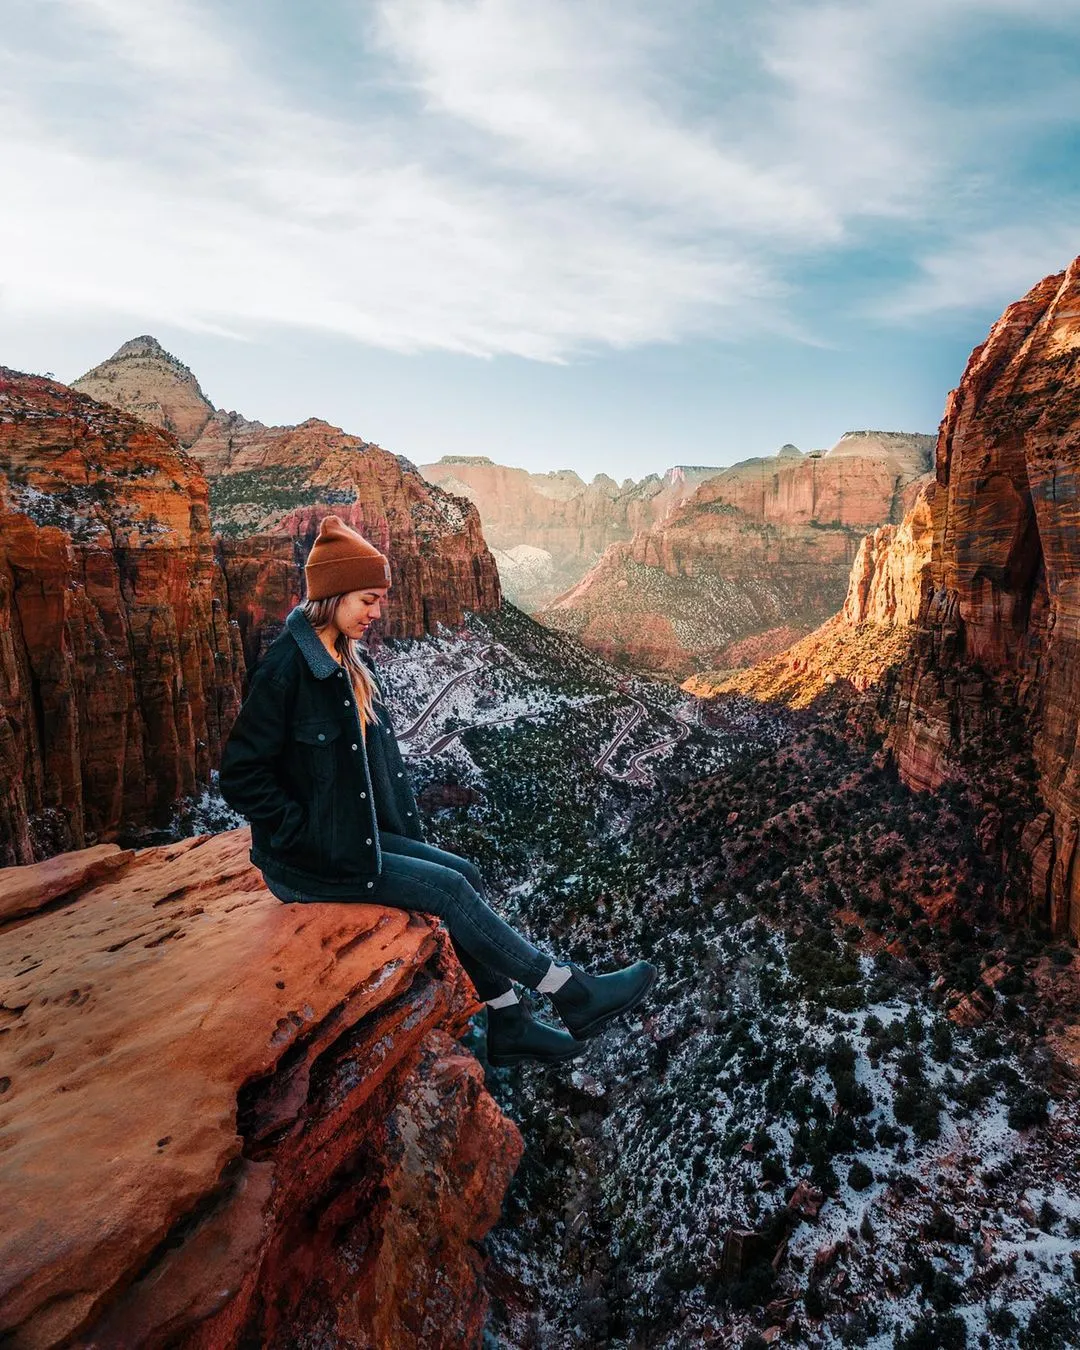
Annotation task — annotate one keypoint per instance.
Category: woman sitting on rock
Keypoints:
(313, 763)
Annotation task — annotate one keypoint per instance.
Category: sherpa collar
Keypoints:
(320, 662)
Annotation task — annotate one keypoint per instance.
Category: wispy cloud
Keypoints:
(520, 178)
(980, 270)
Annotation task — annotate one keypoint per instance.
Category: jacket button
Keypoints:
(322, 736)
(346, 703)
(363, 794)
(354, 745)
(408, 813)
(367, 841)
(370, 884)
(399, 773)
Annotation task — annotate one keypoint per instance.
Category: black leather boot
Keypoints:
(589, 1003)
(513, 1034)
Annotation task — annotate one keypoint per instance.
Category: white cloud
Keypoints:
(985, 270)
(545, 179)
(562, 90)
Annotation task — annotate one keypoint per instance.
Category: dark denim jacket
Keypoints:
(297, 767)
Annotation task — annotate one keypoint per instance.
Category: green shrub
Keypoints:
(859, 1176)
(1054, 1325)
(1028, 1107)
(934, 1332)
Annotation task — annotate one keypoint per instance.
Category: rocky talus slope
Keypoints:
(120, 671)
(847, 1112)
(1000, 629)
(867, 637)
(547, 529)
(232, 1122)
(756, 551)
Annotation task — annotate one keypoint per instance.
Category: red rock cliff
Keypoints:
(762, 550)
(859, 483)
(232, 1122)
(870, 634)
(1001, 625)
(570, 522)
(120, 670)
(269, 486)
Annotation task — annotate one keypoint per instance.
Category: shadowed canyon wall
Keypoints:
(1000, 627)
(139, 580)
(120, 671)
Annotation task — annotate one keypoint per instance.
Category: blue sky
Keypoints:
(596, 234)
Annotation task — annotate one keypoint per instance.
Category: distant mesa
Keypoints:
(901, 444)
(753, 555)
(558, 515)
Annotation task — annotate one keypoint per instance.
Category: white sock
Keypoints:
(503, 1000)
(555, 978)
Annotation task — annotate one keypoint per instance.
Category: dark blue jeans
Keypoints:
(422, 877)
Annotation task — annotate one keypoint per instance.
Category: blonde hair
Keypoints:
(318, 614)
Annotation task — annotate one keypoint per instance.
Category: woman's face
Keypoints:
(357, 609)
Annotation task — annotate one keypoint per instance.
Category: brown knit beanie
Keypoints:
(342, 560)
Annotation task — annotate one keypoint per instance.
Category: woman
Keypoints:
(313, 763)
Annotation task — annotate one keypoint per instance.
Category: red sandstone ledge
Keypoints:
(223, 1118)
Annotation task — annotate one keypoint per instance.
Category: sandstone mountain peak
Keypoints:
(789, 451)
(466, 459)
(142, 378)
(146, 345)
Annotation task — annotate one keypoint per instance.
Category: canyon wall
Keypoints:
(1000, 628)
(760, 551)
(858, 483)
(120, 671)
(547, 529)
(269, 487)
(232, 1122)
(137, 589)
(887, 585)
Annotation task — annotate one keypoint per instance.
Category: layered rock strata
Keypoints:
(1000, 628)
(547, 529)
(229, 1121)
(142, 378)
(120, 668)
(867, 637)
(757, 550)
(270, 486)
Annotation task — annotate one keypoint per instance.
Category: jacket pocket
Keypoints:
(316, 746)
(318, 737)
